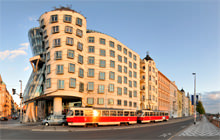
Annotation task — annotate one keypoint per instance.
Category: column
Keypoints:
(57, 106)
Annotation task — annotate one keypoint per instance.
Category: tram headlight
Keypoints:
(95, 113)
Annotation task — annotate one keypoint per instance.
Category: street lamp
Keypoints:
(21, 101)
(194, 100)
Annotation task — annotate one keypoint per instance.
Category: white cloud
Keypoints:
(211, 101)
(25, 46)
(33, 18)
(26, 68)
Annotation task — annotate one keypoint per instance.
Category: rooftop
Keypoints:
(94, 31)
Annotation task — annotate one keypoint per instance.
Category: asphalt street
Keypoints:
(163, 131)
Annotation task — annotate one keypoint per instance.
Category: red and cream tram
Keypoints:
(92, 116)
(144, 116)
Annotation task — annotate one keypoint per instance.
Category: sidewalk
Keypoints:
(202, 130)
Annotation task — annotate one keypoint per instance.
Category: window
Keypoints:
(111, 75)
(67, 18)
(72, 83)
(119, 47)
(55, 29)
(91, 49)
(79, 33)
(130, 73)
(130, 83)
(60, 84)
(68, 29)
(118, 102)
(47, 44)
(90, 101)
(111, 44)
(58, 55)
(81, 87)
(112, 53)
(81, 72)
(130, 54)
(91, 39)
(101, 88)
(125, 103)
(56, 42)
(150, 78)
(102, 52)
(70, 53)
(125, 60)
(135, 74)
(101, 75)
(90, 86)
(91, 72)
(125, 90)
(130, 104)
(130, 64)
(42, 23)
(125, 80)
(135, 84)
(45, 34)
(54, 18)
(110, 101)
(135, 65)
(71, 67)
(130, 94)
(102, 63)
(119, 58)
(112, 63)
(59, 69)
(79, 21)
(125, 51)
(119, 91)
(48, 56)
(102, 41)
(135, 93)
(48, 83)
(69, 41)
(91, 60)
(111, 88)
(48, 69)
(125, 69)
(135, 104)
(80, 59)
(119, 79)
(119, 68)
(134, 57)
(100, 101)
(79, 46)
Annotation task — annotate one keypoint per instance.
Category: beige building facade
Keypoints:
(173, 100)
(180, 103)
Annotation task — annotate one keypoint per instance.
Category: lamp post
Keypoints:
(194, 100)
(21, 101)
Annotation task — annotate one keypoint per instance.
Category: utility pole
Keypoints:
(194, 97)
(21, 101)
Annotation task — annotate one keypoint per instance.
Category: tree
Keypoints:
(200, 108)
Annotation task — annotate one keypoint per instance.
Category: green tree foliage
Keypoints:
(200, 108)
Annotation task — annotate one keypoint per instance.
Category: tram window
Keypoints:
(139, 113)
(70, 113)
(78, 113)
(120, 113)
(151, 113)
(112, 113)
(126, 113)
(131, 113)
(163, 114)
(88, 113)
(166, 114)
(146, 114)
(105, 113)
(156, 114)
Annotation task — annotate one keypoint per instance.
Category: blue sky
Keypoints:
(182, 37)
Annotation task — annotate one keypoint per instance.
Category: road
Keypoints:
(163, 131)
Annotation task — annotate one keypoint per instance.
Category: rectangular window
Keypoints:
(48, 56)
(58, 55)
(112, 64)
(45, 34)
(112, 53)
(119, 91)
(55, 29)
(80, 59)
(72, 83)
(119, 58)
(111, 44)
(118, 102)
(47, 44)
(68, 29)
(134, 57)
(79, 21)
(125, 51)
(81, 87)
(125, 80)
(125, 60)
(135, 65)
(111, 88)
(101, 75)
(130, 54)
(67, 18)
(110, 101)
(119, 68)
(102, 63)
(70, 53)
(69, 41)
(90, 101)
(101, 89)
(130, 64)
(130, 94)
(81, 72)
(125, 69)
(102, 41)
(48, 69)
(91, 60)
(135, 104)
(130, 83)
(125, 90)
(135, 84)
(130, 73)
(79, 33)
(102, 52)
(91, 72)
(111, 75)
(48, 83)
(79, 46)
(135, 93)
(59, 69)
(91, 39)
(125, 103)
(60, 84)
(135, 74)
(130, 104)
(56, 42)
(90, 86)
(119, 79)
(119, 47)
(54, 18)
(100, 101)
(91, 49)
(71, 67)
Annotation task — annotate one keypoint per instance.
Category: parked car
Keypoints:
(14, 117)
(3, 118)
(55, 120)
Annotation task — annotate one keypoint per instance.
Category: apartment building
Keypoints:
(173, 100)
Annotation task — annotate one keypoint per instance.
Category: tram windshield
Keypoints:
(139, 113)
(70, 113)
